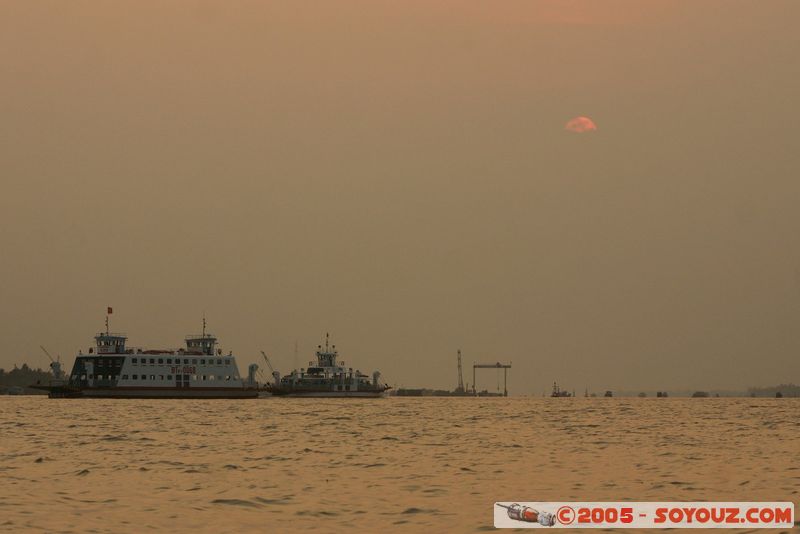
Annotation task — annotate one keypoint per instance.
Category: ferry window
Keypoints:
(152, 377)
(134, 360)
(135, 377)
(161, 360)
(152, 360)
(347, 388)
(227, 362)
(185, 361)
(202, 362)
(219, 362)
(161, 377)
(227, 377)
(194, 377)
(169, 360)
(83, 377)
(211, 377)
(194, 361)
(204, 377)
(169, 377)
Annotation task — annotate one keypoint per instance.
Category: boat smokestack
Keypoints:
(251, 374)
(376, 376)
(277, 377)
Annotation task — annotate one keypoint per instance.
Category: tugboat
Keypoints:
(110, 370)
(327, 379)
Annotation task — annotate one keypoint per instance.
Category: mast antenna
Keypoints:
(460, 378)
(204, 324)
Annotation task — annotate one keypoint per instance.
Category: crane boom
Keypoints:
(48, 354)
(266, 359)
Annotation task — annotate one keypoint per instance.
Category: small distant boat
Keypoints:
(558, 392)
(327, 378)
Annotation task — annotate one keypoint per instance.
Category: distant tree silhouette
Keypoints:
(23, 377)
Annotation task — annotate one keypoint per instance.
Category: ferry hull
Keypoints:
(58, 392)
(330, 394)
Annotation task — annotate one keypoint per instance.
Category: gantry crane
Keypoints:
(504, 366)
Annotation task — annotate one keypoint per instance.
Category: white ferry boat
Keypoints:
(327, 378)
(111, 370)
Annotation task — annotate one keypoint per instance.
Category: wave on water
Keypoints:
(396, 464)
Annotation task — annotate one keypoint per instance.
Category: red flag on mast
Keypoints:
(110, 310)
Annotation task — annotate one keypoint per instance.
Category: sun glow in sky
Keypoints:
(581, 125)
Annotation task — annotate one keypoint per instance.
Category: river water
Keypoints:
(394, 464)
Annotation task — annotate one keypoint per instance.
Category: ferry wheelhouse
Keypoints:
(112, 370)
(327, 378)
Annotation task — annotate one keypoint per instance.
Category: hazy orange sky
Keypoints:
(397, 173)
